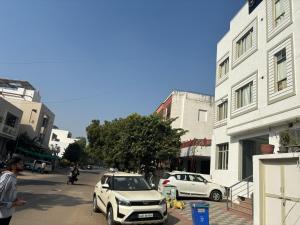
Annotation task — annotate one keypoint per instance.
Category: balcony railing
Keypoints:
(11, 131)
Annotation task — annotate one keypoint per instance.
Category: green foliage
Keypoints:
(73, 152)
(287, 137)
(133, 141)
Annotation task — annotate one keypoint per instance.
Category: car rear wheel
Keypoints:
(95, 206)
(110, 217)
(216, 195)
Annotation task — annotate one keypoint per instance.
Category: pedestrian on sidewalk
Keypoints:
(8, 193)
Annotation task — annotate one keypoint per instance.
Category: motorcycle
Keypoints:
(72, 179)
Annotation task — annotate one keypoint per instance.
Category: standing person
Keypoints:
(43, 167)
(8, 193)
(33, 166)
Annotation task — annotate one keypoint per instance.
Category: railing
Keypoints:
(244, 188)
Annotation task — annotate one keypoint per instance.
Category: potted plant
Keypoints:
(284, 141)
(266, 149)
(287, 141)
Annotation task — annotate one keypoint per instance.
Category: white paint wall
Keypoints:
(63, 142)
(185, 106)
(266, 119)
(21, 93)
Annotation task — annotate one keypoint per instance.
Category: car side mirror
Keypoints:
(105, 186)
(153, 186)
(205, 181)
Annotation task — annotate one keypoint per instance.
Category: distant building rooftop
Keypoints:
(7, 83)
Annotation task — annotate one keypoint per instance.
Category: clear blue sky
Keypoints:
(103, 59)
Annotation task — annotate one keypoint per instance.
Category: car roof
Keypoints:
(122, 174)
(182, 172)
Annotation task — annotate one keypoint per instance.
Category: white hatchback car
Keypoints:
(128, 199)
(192, 185)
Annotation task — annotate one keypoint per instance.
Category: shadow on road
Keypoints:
(91, 171)
(44, 202)
(38, 182)
(172, 220)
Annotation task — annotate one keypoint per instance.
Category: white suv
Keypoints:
(192, 185)
(128, 199)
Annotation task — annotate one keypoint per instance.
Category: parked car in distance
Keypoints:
(28, 165)
(38, 166)
(128, 199)
(89, 167)
(192, 185)
(112, 169)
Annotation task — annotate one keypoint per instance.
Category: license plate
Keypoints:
(145, 215)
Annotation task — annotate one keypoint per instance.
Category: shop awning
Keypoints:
(32, 153)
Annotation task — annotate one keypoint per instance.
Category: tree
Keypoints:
(134, 141)
(73, 152)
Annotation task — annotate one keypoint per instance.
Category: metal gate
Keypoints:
(280, 186)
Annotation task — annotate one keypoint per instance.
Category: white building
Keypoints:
(17, 89)
(60, 140)
(194, 113)
(257, 86)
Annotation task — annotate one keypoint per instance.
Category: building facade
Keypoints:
(194, 113)
(60, 140)
(10, 117)
(257, 86)
(37, 120)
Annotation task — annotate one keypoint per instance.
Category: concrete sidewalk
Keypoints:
(218, 215)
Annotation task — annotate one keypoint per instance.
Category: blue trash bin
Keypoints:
(200, 213)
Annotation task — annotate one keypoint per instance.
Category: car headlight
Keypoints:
(123, 202)
(163, 202)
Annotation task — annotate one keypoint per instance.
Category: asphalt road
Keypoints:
(50, 201)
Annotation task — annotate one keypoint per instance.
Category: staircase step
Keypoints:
(242, 209)
(241, 214)
(246, 205)
(248, 200)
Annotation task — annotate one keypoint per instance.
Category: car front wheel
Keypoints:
(216, 195)
(95, 206)
(110, 217)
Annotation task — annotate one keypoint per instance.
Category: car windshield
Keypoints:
(134, 183)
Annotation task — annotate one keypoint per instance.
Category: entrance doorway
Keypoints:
(251, 147)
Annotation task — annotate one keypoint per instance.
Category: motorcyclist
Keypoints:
(74, 172)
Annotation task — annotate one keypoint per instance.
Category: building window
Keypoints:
(54, 137)
(244, 44)
(222, 155)
(45, 121)
(280, 68)
(278, 11)
(222, 111)
(11, 120)
(202, 115)
(244, 95)
(168, 112)
(223, 68)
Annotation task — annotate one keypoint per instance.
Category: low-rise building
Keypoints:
(37, 120)
(60, 140)
(257, 86)
(194, 113)
(10, 117)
